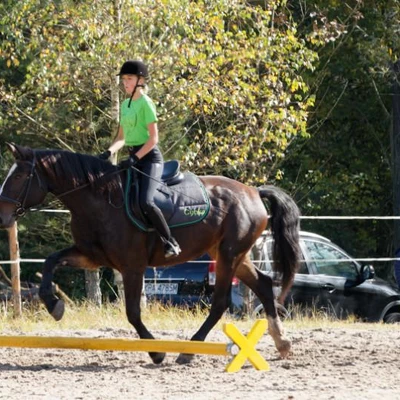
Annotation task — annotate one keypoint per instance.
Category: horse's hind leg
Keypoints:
(261, 285)
(133, 283)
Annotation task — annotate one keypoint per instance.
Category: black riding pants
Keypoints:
(152, 166)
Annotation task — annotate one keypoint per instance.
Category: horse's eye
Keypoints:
(17, 176)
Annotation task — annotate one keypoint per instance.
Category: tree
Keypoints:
(344, 168)
(227, 72)
(227, 77)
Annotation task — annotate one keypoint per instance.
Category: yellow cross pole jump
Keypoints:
(247, 346)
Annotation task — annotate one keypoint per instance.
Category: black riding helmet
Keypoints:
(134, 67)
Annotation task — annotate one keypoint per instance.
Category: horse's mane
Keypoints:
(80, 169)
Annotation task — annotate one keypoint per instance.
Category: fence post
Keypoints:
(15, 269)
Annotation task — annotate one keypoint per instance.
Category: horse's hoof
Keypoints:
(184, 358)
(157, 358)
(284, 348)
(58, 310)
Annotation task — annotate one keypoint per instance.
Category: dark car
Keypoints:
(189, 284)
(330, 280)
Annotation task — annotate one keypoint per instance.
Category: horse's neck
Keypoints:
(79, 199)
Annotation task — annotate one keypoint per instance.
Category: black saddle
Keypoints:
(181, 197)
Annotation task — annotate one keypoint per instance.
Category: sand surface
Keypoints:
(326, 363)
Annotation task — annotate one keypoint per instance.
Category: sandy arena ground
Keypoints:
(327, 363)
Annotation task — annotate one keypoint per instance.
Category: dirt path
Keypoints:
(326, 364)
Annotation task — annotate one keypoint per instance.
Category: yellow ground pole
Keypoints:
(241, 348)
(148, 345)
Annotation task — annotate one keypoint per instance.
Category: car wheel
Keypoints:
(282, 311)
(392, 318)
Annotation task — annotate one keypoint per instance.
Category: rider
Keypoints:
(138, 130)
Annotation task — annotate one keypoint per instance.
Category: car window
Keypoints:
(330, 261)
(303, 269)
(267, 256)
(259, 257)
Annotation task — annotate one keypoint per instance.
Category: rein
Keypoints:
(86, 184)
(21, 210)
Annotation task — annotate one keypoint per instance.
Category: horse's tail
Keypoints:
(284, 223)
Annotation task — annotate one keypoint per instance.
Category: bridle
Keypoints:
(20, 209)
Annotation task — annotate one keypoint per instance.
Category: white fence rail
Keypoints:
(329, 217)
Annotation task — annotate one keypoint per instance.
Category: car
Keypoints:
(189, 284)
(332, 281)
(328, 280)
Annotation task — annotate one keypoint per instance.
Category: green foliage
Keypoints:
(234, 85)
(59, 94)
(226, 75)
(344, 168)
(239, 70)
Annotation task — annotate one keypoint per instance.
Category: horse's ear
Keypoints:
(19, 152)
(11, 147)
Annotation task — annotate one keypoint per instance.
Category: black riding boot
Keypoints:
(171, 246)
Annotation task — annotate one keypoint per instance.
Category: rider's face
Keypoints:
(129, 82)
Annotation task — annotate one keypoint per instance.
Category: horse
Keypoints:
(90, 189)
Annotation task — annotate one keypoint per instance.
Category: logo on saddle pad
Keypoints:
(194, 211)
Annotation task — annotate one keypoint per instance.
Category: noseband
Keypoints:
(20, 209)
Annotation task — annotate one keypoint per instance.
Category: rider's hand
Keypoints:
(105, 155)
(130, 162)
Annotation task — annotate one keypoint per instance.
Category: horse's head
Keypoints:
(21, 189)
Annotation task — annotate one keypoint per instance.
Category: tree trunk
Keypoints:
(92, 282)
(118, 281)
(395, 142)
(92, 286)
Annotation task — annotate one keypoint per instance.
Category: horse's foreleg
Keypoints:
(70, 256)
(133, 283)
(261, 285)
(220, 302)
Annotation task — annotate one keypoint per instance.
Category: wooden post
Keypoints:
(15, 269)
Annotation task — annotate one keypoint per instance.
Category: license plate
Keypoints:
(161, 288)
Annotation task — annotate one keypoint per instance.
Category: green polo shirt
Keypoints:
(135, 120)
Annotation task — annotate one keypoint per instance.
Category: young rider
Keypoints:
(138, 130)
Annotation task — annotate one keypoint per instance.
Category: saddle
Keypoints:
(181, 197)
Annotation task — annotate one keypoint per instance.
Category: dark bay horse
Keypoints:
(104, 236)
